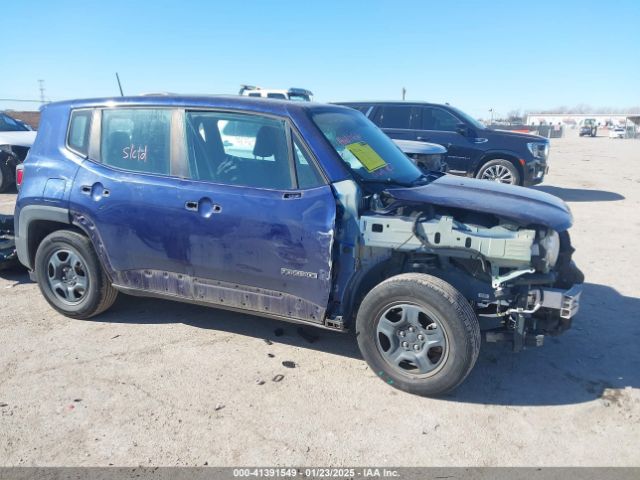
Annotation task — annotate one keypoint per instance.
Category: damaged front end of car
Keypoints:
(506, 249)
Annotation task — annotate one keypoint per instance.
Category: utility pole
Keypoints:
(404, 93)
(41, 85)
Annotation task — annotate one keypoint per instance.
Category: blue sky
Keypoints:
(475, 55)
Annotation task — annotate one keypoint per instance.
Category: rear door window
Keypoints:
(434, 118)
(394, 116)
(137, 139)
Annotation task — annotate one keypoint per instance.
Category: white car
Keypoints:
(617, 132)
(295, 94)
(15, 141)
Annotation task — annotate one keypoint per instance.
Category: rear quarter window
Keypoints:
(394, 116)
(79, 128)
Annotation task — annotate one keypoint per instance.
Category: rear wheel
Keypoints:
(500, 170)
(418, 333)
(70, 276)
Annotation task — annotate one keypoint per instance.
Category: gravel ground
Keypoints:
(159, 383)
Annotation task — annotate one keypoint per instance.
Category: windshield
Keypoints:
(468, 118)
(8, 124)
(365, 149)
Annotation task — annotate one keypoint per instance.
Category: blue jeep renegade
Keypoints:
(297, 211)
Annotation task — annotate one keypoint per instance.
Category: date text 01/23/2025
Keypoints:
(315, 472)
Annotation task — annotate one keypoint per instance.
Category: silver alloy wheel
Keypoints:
(498, 173)
(411, 339)
(67, 276)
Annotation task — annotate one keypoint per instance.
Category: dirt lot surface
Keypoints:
(159, 383)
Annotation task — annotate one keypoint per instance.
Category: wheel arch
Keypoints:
(399, 263)
(511, 157)
(368, 278)
(365, 280)
(34, 223)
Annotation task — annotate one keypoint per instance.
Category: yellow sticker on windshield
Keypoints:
(367, 156)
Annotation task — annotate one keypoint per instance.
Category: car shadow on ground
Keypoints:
(15, 273)
(594, 359)
(129, 309)
(580, 194)
(13, 189)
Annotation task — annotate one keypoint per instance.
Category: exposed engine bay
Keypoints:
(519, 277)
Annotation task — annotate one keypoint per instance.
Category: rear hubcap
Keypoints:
(67, 276)
(411, 340)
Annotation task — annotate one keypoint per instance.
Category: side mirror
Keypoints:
(463, 130)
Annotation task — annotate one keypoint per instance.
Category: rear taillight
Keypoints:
(19, 174)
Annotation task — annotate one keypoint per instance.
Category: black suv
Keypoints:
(473, 149)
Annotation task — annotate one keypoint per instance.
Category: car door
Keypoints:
(395, 120)
(258, 216)
(436, 125)
(125, 196)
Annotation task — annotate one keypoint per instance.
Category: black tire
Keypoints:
(495, 167)
(454, 315)
(6, 176)
(98, 295)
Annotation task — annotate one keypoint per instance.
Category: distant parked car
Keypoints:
(24, 124)
(589, 128)
(15, 142)
(617, 132)
(473, 150)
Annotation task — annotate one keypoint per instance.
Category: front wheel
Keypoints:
(418, 333)
(499, 170)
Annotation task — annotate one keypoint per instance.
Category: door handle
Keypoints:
(422, 139)
(290, 195)
(97, 190)
(204, 206)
